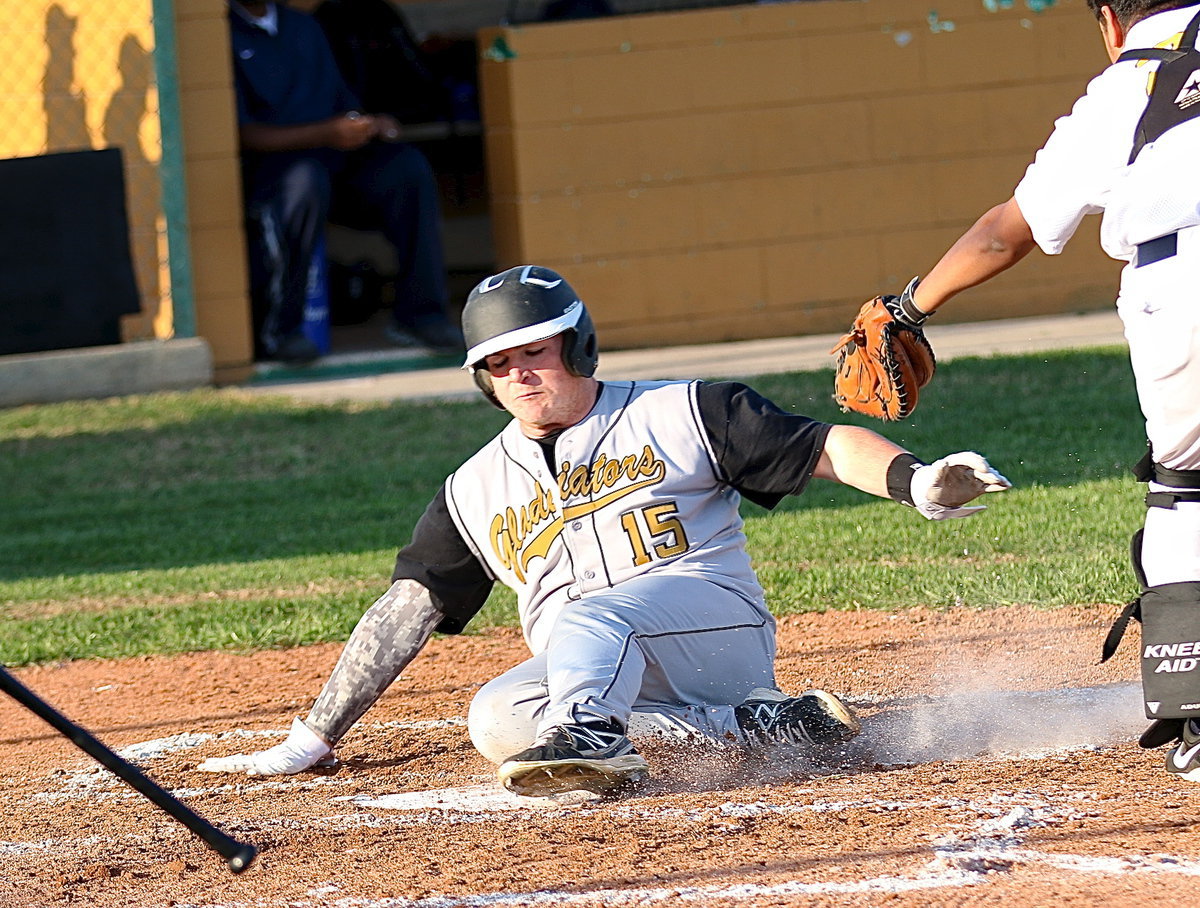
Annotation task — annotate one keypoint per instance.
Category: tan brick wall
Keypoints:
(727, 173)
(218, 251)
(758, 170)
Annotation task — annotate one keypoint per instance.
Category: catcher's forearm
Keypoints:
(994, 243)
(386, 639)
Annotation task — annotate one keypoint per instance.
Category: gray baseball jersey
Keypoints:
(633, 489)
(649, 481)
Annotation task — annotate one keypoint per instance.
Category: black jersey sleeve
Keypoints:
(762, 451)
(439, 560)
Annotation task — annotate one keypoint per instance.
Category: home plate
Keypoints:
(470, 799)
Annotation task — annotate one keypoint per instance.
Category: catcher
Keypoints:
(1127, 150)
(612, 510)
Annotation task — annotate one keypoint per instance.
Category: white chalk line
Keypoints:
(606, 897)
(994, 845)
(938, 874)
(90, 781)
(946, 728)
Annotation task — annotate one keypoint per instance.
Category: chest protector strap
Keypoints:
(1175, 97)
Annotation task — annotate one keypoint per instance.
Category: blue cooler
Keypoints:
(316, 299)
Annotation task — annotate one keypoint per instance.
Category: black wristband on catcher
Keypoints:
(899, 477)
(908, 309)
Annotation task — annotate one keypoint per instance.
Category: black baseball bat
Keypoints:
(238, 855)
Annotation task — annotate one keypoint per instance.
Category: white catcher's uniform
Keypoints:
(1083, 169)
(623, 541)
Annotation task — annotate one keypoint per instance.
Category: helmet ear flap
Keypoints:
(580, 348)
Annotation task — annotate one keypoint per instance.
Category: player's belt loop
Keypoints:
(1156, 250)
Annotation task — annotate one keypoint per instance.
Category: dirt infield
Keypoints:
(998, 764)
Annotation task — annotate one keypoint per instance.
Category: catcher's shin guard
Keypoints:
(1171, 650)
(1170, 660)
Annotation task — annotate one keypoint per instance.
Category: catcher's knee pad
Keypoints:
(1170, 659)
(1171, 650)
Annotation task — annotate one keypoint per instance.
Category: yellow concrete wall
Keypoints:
(755, 171)
(79, 74)
(734, 172)
(214, 192)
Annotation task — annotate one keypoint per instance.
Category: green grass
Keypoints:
(217, 519)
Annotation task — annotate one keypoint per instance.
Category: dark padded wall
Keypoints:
(66, 275)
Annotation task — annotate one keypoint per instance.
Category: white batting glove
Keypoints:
(940, 489)
(302, 750)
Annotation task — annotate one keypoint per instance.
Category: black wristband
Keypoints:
(899, 477)
(911, 313)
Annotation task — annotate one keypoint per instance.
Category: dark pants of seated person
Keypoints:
(290, 196)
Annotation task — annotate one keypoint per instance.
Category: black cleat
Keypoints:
(435, 333)
(595, 757)
(815, 717)
(1160, 732)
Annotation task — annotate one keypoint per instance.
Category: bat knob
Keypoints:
(242, 858)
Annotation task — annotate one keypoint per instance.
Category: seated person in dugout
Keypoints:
(611, 509)
(309, 155)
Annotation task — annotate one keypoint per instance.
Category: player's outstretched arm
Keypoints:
(858, 457)
(386, 639)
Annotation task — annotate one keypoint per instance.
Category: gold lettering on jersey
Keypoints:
(519, 536)
(510, 530)
(572, 511)
(604, 473)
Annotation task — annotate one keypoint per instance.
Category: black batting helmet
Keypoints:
(520, 306)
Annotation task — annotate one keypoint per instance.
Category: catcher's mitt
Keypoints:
(882, 362)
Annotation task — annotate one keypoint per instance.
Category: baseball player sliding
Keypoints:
(611, 509)
(1128, 150)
